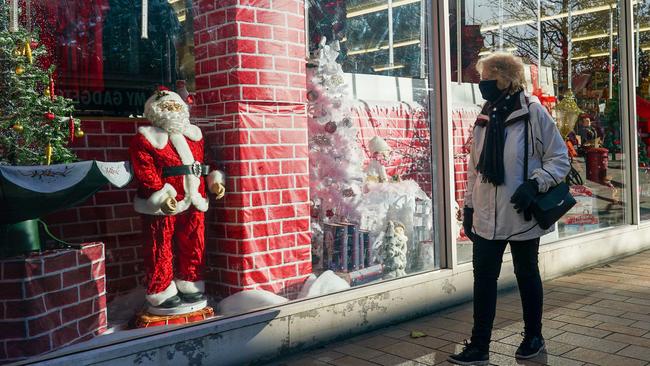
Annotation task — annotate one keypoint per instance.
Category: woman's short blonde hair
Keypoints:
(505, 68)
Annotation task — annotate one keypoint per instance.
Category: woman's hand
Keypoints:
(524, 197)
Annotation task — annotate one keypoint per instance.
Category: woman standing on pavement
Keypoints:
(498, 199)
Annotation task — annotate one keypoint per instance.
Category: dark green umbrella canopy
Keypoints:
(29, 192)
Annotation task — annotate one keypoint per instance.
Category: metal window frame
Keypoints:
(627, 105)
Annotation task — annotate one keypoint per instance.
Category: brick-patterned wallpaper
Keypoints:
(252, 83)
(50, 300)
(108, 216)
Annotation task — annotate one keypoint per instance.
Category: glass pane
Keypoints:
(104, 61)
(576, 40)
(641, 48)
(370, 143)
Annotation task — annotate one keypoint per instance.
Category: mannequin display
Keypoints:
(172, 182)
(376, 170)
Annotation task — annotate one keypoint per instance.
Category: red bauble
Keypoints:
(190, 100)
(329, 213)
(330, 127)
(33, 44)
(49, 116)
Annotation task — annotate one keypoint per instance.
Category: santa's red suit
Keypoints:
(171, 239)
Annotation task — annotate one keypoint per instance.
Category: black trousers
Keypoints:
(487, 259)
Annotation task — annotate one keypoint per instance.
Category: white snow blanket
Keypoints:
(326, 283)
(384, 202)
(248, 300)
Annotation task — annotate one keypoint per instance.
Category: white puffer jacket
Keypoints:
(494, 216)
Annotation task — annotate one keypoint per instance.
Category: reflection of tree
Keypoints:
(555, 34)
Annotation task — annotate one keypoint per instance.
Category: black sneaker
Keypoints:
(471, 355)
(193, 297)
(530, 347)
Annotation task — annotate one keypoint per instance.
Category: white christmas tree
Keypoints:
(335, 157)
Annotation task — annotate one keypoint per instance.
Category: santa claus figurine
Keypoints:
(172, 178)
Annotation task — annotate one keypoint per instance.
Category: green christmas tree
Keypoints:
(35, 125)
(612, 126)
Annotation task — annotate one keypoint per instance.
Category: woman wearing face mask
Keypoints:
(497, 202)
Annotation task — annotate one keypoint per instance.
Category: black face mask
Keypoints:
(489, 90)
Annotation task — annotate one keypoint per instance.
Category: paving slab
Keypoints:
(600, 316)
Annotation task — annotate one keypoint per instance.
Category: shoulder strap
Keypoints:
(526, 121)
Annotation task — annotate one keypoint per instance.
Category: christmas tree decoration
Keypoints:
(48, 153)
(51, 88)
(18, 128)
(330, 127)
(312, 95)
(567, 112)
(72, 128)
(24, 137)
(79, 133)
(28, 52)
(335, 155)
(394, 250)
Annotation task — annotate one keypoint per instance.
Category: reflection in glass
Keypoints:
(370, 154)
(570, 51)
(102, 60)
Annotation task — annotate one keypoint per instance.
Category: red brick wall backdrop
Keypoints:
(50, 300)
(108, 216)
(251, 79)
(406, 129)
(462, 121)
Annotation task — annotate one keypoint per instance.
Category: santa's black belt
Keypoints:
(195, 169)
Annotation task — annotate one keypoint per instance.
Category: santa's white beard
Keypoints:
(172, 122)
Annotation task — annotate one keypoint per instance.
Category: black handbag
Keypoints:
(549, 206)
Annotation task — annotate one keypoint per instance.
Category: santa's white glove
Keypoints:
(218, 189)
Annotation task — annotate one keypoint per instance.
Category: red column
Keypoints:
(250, 80)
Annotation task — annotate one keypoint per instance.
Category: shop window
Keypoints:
(104, 60)
(642, 83)
(570, 50)
(370, 158)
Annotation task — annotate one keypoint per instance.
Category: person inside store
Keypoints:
(585, 130)
(498, 200)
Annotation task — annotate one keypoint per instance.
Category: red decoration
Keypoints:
(51, 87)
(71, 129)
(329, 213)
(49, 116)
(162, 88)
(330, 127)
(190, 100)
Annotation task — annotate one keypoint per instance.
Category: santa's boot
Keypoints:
(189, 291)
(167, 298)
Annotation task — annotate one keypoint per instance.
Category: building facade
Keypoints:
(343, 129)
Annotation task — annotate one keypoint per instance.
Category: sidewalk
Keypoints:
(599, 316)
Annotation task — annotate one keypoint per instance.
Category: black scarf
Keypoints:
(490, 164)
